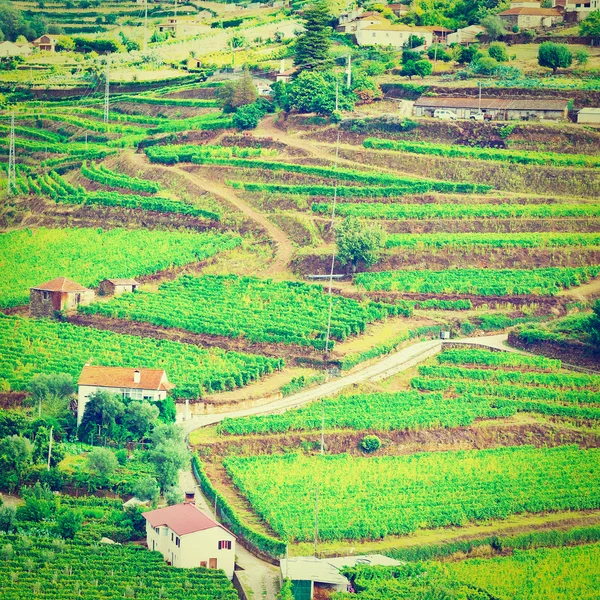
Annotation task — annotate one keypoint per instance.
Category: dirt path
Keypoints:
(284, 245)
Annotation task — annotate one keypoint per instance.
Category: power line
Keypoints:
(12, 168)
(107, 91)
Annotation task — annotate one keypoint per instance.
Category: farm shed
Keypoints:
(137, 384)
(496, 108)
(116, 287)
(58, 294)
(589, 115)
(308, 572)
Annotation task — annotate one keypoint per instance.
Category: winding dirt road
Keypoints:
(284, 246)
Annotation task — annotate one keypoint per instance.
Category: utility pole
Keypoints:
(337, 86)
(322, 426)
(316, 519)
(107, 91)
(50, 447)
(479, 84)
(349, 72)
(11, 186)
(145, 25)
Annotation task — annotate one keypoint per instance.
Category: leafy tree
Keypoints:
(41, 445)
(414, 41)
(69, 522)
(168, 433)
(65, 44)
(248, 117)
(8, 519)
(423, 68)
(315, 91)
(168, 459)
(139, 418)
(16, 453)
(497, 51)
(245, 91)
(101, 416)
(494, 27)
(40, 503)
(102, 462)
(590, 26)
(54, 388)
(484, 65)
(314, 43)
(147, 489)
(370, 443)
(409, 69)
(410, 56)
(439, 52)
(554, 56)
(468, 54)
(173, 496)
(582, 57)
(359, 242)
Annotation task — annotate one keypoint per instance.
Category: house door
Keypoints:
(77, 298)
(212, 563)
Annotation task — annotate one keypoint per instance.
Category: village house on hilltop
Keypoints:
(137, 384)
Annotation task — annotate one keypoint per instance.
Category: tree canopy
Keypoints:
(591, 25)
(358, 242)
(554, 56)
(314, 43)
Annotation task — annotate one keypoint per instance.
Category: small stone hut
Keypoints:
(116, 287)
(59, 294)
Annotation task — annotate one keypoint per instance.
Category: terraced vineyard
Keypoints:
(60, 571)
(402, 494)
(31, 346)
(89, 255)
(258, 310)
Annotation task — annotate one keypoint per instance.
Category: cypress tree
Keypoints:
(313, 44)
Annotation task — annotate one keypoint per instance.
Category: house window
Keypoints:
(203, 563)
(45, 295)
(125, 392)
(172, 537)
(136, 394)
(225, 545)
(177, 542)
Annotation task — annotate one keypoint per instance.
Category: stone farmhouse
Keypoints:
(188, 538)
(530, 18)
(137, 384)
(60, 294)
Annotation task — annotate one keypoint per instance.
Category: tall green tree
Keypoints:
(139, 418)
(494, 27)
(314, 43)
(594, 324)
(590, 26)
(554, 56)
(358, 242)
(100, 417)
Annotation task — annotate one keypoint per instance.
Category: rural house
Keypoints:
(494, 108)
(45, 43)
(188, 538)
(386, 34)
(10, 49)
(582, 8)
(530, 18)
(116, 287)
(59, 294)
(137, 384)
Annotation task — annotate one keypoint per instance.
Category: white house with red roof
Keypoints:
(188, 538)
(137, 384)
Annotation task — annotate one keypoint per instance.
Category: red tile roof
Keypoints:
(61, 284)
(122, 377)
(181, 518)
(526, 10)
